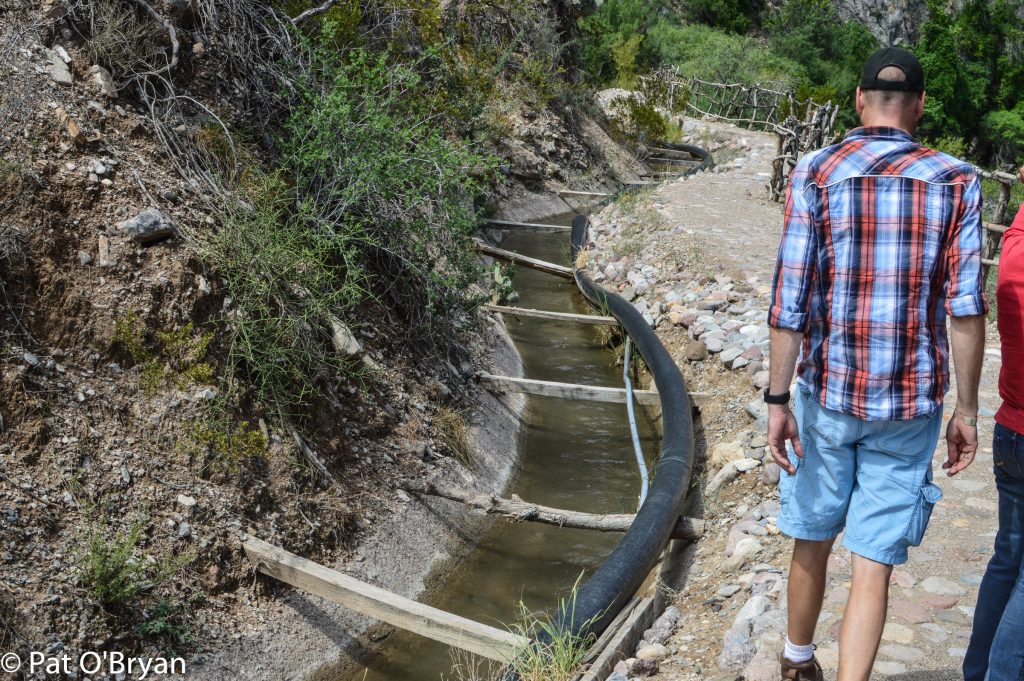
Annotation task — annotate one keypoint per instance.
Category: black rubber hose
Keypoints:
(706, 160)
(602, 596)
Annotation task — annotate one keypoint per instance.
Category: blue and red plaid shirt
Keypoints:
(882, 239)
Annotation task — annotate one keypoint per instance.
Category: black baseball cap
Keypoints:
(901, 59)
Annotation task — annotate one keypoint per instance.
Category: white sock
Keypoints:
(798, 654)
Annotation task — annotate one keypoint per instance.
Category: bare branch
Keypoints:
(519, 510)
(171, 31)
(314, 11)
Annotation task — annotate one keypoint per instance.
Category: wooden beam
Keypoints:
(569, 192)
(528, 226)
(687, 529)
(575, 391)
(659, 159)
(525, 261)
(998, 229)
(546, 314)
(664, 150)
(569, 391)
(404, 613)
(622, 644)
(987, 261)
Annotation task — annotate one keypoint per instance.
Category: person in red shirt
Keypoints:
(995, 652)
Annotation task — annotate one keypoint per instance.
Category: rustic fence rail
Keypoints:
(802, 125)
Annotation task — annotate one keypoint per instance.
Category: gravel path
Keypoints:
(731, 613)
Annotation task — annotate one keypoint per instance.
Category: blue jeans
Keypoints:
(996, 652)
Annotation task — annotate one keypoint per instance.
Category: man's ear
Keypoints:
(859, 101)
(920, 105)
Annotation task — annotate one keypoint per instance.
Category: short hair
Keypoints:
(890, 99)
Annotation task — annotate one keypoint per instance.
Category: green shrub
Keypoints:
(635, 121)
(176, 359)
(113, 569)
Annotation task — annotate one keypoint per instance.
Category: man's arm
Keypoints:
(967, 307)
(782, 424)
(789, 313)
(967, 337)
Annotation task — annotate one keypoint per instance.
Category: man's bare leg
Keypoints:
(807, 575)
(864, 619)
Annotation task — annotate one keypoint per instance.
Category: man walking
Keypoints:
(881, 242)
(996, 652)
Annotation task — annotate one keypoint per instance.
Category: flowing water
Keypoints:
(573, 455)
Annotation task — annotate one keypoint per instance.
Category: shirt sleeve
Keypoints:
(965, 289)
(796, 265)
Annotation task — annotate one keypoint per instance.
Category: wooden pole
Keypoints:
(404, 613)
(558, 316)
(568, 192)
(992, 237)
(525, 261)
(574, 391)
(688, 529)
(528, 226)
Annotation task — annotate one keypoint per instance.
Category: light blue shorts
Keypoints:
(873, 478)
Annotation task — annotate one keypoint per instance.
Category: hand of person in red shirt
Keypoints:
(781, 427)
(1020, 173)
(962, 441)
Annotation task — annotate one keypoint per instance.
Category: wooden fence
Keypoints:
(994, 231)
(802, 125)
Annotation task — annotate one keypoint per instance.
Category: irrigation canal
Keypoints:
(573, 455)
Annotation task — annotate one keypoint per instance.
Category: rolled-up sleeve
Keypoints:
(795, 269)
(965, 286)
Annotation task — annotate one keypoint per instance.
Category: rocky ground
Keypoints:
(696, 256)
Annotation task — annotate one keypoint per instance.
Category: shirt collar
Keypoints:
(880, 132)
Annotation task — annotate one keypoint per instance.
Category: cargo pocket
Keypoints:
(922, 513)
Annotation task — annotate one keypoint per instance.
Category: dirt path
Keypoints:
(732, 613)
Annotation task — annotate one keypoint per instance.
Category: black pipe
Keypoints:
(707, 162)
(601, 597)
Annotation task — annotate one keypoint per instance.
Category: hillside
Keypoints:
(211, 323)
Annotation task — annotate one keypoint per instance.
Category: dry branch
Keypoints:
(171, 32)
(314, 11)
(519, 510)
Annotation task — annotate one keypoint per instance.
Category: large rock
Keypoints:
(149, 225)
(57, 68)
(724, 452)
(893, 22)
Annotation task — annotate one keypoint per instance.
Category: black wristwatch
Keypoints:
(776, 399)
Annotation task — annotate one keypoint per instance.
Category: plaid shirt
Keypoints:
(882, 239)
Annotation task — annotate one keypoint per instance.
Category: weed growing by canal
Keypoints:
(555, 652)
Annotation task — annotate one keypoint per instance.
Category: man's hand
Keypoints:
(781, 427)
(1020, 173)
(962, 441)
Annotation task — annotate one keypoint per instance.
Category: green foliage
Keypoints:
(112, 568)
(954, 146)
(975, 75)
(176, 359)
(559, 658)
(369, 162)
(289, 273)
(1005, 131)
(615, 24)
(636, 121)
(735, 16)
(167, 622)
(625, 54)
(707, 53)
(503, 292)
(226, 443)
